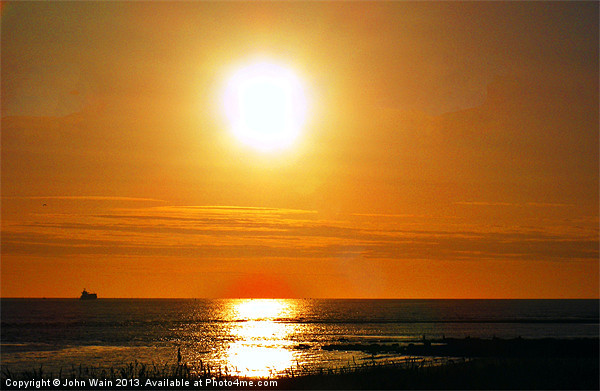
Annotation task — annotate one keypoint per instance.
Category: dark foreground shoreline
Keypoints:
(469, 363)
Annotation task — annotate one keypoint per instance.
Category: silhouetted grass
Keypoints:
(484, 373)
(133, 370)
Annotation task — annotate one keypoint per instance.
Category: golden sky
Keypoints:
(450, 151)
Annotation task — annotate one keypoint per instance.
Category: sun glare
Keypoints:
(260, 309)
(266, 106)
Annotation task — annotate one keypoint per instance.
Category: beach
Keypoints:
(475, 364)
(312, 344)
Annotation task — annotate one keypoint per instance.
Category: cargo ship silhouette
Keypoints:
(85, 295)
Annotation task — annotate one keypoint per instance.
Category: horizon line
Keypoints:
(305, 298)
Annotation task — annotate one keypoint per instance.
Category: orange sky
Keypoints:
(451, 151)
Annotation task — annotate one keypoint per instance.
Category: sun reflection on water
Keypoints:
(262, 309)
(261, 342)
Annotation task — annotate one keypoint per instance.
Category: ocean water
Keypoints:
(261, 337)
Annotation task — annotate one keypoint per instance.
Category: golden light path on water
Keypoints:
(261, 345)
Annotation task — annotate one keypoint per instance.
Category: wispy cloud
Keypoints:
(485, 203)
(88, 197)
(549, 205)
(250, 233)
(519, 205)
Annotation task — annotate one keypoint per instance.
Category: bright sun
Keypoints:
(265, 105)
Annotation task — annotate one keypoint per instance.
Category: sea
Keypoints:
(261, 337)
